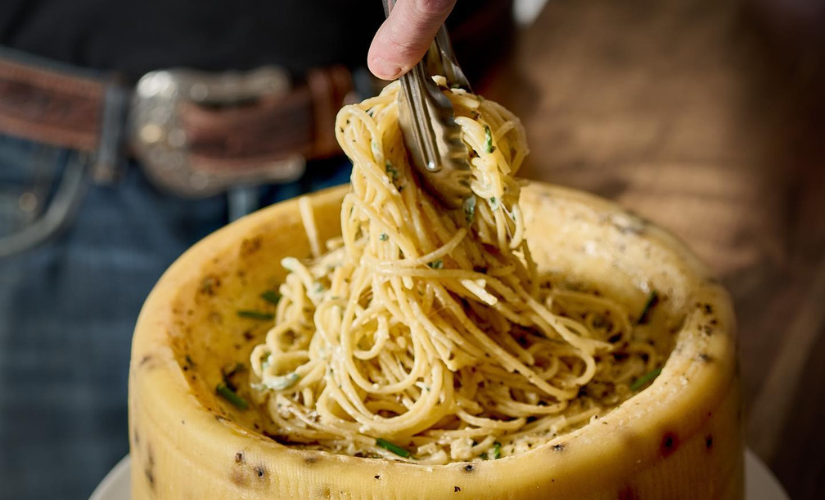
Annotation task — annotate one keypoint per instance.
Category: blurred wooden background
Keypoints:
(708, 118)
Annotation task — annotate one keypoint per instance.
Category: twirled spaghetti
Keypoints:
(424, 334)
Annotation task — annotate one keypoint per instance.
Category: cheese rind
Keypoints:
(678, 439)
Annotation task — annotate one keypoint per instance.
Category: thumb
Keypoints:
(404, 37)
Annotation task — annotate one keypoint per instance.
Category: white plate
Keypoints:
(761, 485)
(117, 483)
(759, 481)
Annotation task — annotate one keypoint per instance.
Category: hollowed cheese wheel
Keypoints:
(680, 438)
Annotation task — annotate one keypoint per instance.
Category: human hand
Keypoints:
(404, 37)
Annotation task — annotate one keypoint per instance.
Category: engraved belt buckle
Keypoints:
(159, 141)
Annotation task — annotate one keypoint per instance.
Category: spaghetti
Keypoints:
(424, 334)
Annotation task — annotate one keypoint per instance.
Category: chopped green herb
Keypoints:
(319, 287)
(488, 139)
(496, 450)
(228, 394)
(652, 300)
(261, 316)
(279, 383)
(383, 443)
(384, 237)
(470, 209)
(645, 379)
(436, 264)
(483, 456)
(391, 171)
(271, 296)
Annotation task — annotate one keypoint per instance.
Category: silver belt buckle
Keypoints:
(159, 141)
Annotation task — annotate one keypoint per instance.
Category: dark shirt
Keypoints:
(133, 37)
(136, 36)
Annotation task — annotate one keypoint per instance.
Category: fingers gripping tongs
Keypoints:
(427, 122)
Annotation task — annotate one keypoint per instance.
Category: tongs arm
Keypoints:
(427, 121)
(441, 60)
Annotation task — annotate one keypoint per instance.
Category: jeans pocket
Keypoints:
(40, 189)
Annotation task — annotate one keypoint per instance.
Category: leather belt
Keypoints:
(50, 106)
(194, 133)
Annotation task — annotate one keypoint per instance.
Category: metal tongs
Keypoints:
(427, 121)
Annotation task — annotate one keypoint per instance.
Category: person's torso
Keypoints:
(133, 37)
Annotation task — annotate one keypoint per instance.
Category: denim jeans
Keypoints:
(68, 307)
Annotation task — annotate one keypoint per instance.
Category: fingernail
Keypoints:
(385, 69)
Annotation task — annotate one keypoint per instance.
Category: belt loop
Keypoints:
(323, 110)
(108, 162)
(329, 88)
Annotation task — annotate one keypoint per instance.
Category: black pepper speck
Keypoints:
(150, 477)
(670, 442)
